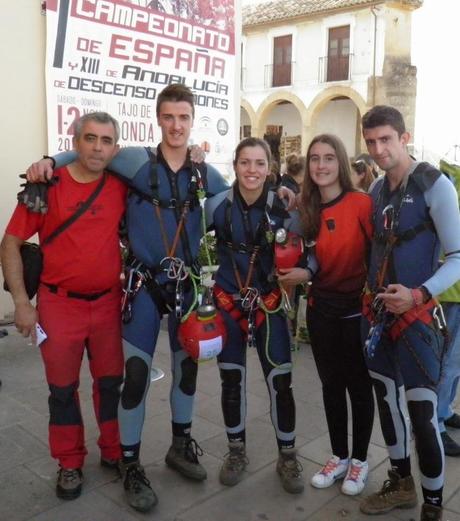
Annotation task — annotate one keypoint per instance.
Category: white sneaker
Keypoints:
(334, 469)
(356, 477)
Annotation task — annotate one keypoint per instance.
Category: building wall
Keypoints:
(310, 39)
(341, 116)
(22, 93)
(288, 117)
(381, 71)
(398, 84)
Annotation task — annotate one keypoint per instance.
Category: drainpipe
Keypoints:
(374, 65)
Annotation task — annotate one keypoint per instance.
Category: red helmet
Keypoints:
(288, 249)
(203, 335)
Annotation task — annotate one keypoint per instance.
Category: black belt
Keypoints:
(73, 294)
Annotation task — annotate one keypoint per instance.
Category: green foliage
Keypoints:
(208, 242)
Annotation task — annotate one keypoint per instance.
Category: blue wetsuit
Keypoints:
(239, 228)
(146, 242)
(406, 366)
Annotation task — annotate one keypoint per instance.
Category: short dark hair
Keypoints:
(98, 117)
(176, 92)
(381, 115)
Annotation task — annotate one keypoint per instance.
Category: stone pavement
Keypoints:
(27, 473)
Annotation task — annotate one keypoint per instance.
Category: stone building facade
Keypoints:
(311, 66)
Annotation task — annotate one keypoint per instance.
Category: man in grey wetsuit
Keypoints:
(415, 214)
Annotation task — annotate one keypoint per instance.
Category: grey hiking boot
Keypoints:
(290, 471)
(111, 464)
(183, 457)
(69, 483)
(234, 464)
(431, 513)
(139, 493)
(396, 492)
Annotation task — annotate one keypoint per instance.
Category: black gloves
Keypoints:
(35, 195)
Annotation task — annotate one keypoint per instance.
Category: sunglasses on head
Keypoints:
(360, 167)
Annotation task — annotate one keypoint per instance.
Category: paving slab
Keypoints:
(28, 474)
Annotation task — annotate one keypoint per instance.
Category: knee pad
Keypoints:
(64, 409)
(231, 386)
(136, 379)
(283, 406)
(385, 412)
(233, 401)
(423, 413)
(189, 370)
(109, 393)
(231, 378)
(394, 417)
(282, 383)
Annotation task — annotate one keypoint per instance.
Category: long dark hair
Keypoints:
(310, 207)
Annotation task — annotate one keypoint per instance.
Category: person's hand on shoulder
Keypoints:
(197, 154)
(288, 195)
(40, 171)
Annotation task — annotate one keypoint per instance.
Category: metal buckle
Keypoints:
(129, 292)
(388, 214)
(179, 300)
(378, 306)
(251, 337)
(439, 318)
(286, 300)
(174, 268)
(249, 299)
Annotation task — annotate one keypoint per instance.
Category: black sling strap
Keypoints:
(81, 210)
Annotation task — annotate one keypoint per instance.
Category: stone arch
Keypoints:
(330, 93)
(250, 112)
(267, 104)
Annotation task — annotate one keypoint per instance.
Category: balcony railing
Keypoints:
(335, 68)
(279, 75)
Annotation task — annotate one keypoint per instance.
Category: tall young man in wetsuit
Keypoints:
(79, 296)
(415, 213)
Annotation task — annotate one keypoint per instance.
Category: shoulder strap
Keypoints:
(425, 175)
(81, 210)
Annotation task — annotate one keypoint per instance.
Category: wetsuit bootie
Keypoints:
(183, 457)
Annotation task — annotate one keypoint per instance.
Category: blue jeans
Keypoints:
(447, 388)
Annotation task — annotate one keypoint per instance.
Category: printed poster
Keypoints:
(117, 55)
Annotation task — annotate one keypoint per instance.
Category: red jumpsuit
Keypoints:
(78, 307)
